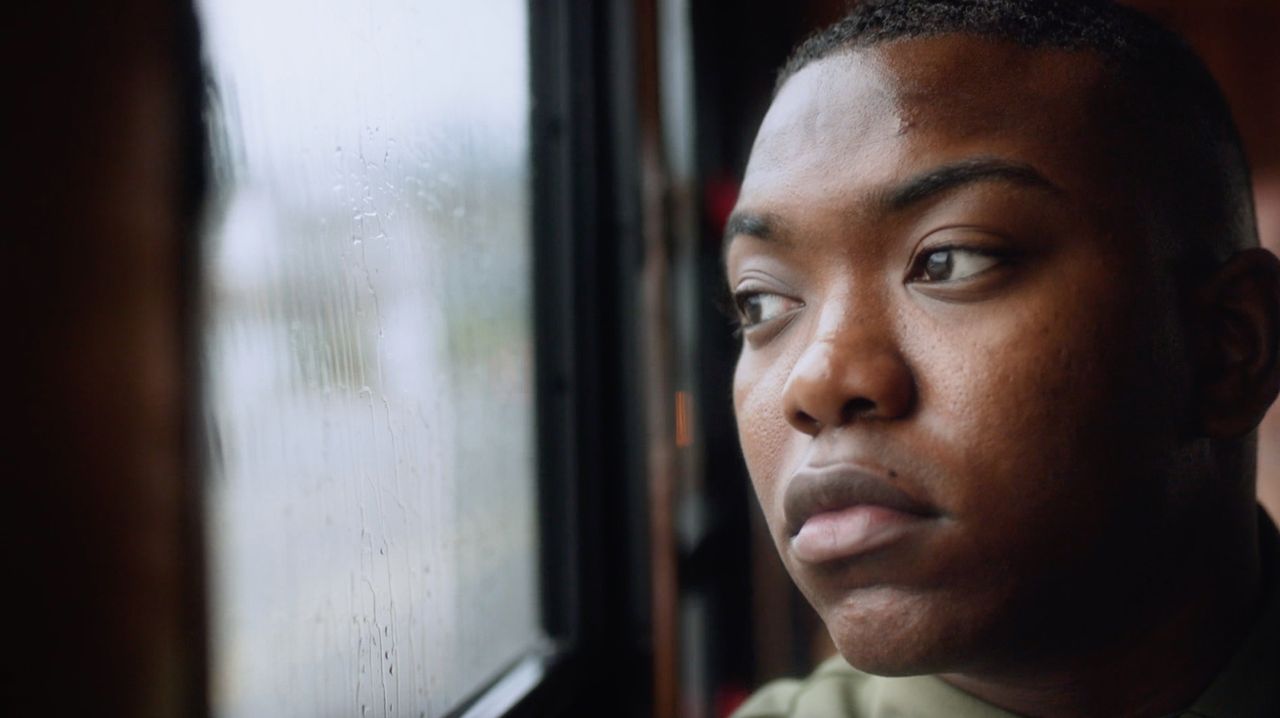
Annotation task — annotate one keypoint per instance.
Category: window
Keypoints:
(368, 355)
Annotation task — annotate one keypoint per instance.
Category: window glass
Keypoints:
(367, 351)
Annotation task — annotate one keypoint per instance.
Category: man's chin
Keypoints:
(887, 633)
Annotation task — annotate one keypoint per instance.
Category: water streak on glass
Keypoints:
(368, 354)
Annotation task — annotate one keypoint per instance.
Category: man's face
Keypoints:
(961, 392)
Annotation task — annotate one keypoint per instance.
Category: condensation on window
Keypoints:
(367, 352)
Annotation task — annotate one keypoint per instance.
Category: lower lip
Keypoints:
(833, 535)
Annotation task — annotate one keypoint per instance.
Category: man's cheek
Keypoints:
(763, 431)
(1008, 420)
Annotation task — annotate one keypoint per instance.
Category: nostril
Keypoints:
(854, 408)
(806, 423)
(853, 380)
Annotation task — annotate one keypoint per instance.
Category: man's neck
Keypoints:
(1176, 638)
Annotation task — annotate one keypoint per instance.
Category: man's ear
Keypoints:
(1237, 343)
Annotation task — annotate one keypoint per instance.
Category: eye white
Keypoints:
(772, 306)
(966, 264)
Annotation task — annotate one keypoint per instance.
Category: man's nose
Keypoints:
(845, 378)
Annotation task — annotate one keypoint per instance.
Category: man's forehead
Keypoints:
(963, 79)
(874, 112)
(844, 92)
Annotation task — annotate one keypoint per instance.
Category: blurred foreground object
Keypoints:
(102, 120)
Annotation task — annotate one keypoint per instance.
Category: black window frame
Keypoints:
(587, 251)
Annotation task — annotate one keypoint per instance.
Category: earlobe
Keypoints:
(1237, 341)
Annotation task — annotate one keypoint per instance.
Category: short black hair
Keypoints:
(1190, 135)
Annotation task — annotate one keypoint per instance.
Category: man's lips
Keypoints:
(841, 510)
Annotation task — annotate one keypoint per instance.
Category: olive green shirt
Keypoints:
(1249, 686)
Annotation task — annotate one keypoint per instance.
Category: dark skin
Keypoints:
(950, 284)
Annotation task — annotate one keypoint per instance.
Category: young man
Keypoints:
(1006, 338)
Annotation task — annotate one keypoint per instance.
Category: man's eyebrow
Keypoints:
(948, 177)
(760, 225)
(919, 188)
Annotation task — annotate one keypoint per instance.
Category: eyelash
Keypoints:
(731, 305)
(726, 303)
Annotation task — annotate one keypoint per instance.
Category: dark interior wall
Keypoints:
(98, 568)
(1238, 40)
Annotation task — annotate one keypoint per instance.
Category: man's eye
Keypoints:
(759, 307)
(949, 265)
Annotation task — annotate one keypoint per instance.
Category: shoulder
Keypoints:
(831, 690)
(837, 690)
